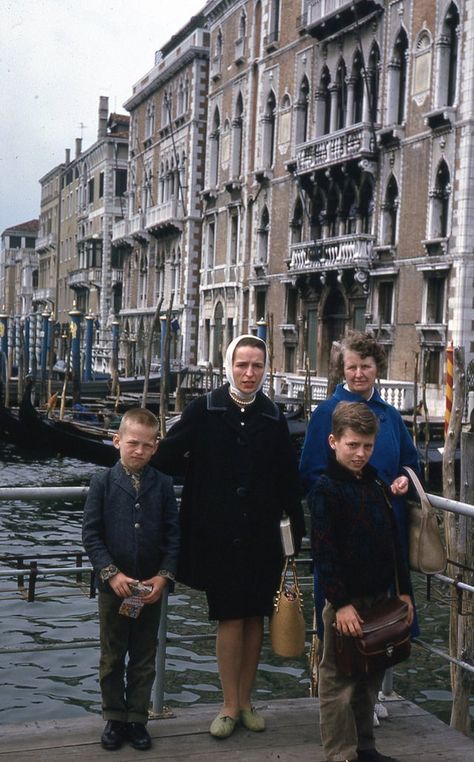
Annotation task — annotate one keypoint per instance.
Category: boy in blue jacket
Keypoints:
(355, 549)
(131, 535)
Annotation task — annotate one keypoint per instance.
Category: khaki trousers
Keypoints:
(346, 704)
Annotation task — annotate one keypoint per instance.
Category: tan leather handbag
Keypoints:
(426, 551)
(287, 625)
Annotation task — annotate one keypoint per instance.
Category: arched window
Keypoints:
(373, 75)
(150, 120)
(390, 213)
(323, 104)
(218, 48)
(341, 95)
(301, 108)
(317, 214)
(214, 140)
(269, 126)
(398, 78)
(349, 209)
(217, 344)
(263, 233)
(357, 83)
(160, 275)
(297, 222)
(237, 137)
(274, 27)
(366, 205)
(440, 198)
(332, 211)
(448, 54)
(242, 26)
(143, 280)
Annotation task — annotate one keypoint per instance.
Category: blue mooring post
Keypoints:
(75, 328)
(115, 326)
(4, 345)
(162, 341)
(44, 343)
(26, 343)
(88, 347)
(262, 329)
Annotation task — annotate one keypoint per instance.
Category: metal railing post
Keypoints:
(158, 691)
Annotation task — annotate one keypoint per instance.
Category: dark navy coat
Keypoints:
(240, 475)
(137, 533)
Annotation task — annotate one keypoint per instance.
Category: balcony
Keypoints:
(85, 277)
(351, 143)
(45, 242)
(138, 227)
(117, 275)
(327, 17)
(44, 294)
(121, 232)
(162, 218)
(341, 252)
(215, 67)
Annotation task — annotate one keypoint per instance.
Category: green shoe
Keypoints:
(222, 726)
(252, 720)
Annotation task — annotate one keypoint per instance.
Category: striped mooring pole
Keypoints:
(449, 387)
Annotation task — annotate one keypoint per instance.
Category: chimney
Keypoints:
(78, 147)
(103, 116)
(68, 156)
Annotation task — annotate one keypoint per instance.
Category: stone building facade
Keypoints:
(160, 234)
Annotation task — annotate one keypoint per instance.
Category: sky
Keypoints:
(57, 57)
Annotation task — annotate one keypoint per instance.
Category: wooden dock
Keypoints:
(410, 734)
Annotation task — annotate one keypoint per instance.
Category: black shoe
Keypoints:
(138, 736)
(372, 755)
(113, 735)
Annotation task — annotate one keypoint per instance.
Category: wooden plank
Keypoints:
(410, 734)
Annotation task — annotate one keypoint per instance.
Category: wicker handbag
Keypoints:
(287, 625)
(426, 551)
(384, 643)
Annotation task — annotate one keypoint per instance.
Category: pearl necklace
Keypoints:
(241, 403)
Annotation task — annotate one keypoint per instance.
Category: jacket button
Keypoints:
(137, 505)
(241, 492)
(137, 525)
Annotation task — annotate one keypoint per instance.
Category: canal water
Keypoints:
(63, 684)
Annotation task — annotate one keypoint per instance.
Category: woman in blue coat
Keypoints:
(361, 362)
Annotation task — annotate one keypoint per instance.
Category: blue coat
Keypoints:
(137, 533)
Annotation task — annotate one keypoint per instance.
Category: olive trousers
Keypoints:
(127, 659)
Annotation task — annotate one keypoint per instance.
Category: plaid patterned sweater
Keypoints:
(354, 536)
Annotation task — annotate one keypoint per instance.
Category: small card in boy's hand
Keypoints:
(133, 605)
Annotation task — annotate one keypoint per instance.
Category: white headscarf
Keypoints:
(229, 356)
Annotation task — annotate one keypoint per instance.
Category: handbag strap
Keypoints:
(289, 565)
(426, 506)
(390, 509)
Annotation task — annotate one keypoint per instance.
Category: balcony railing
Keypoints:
(85, 276)
(137, 225)
(325, 17)
(353, 142)
(43, 294)
(332, 253)
(120, 230)
(45, 242)
(168, 213)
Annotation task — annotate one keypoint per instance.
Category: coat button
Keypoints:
(241, 492)
(137, 525)
(137, 505)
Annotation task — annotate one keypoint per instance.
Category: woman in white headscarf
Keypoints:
(233, 449)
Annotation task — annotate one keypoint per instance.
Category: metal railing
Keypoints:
(34, 571)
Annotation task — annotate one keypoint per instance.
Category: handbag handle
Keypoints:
(289, 562)
(426, 506)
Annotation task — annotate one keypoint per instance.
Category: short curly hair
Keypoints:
(366, 345)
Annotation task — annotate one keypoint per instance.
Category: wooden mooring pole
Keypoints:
(458, 545)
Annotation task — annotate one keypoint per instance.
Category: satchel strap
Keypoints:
(426, 506)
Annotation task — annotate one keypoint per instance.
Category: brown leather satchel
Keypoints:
(385, 640)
